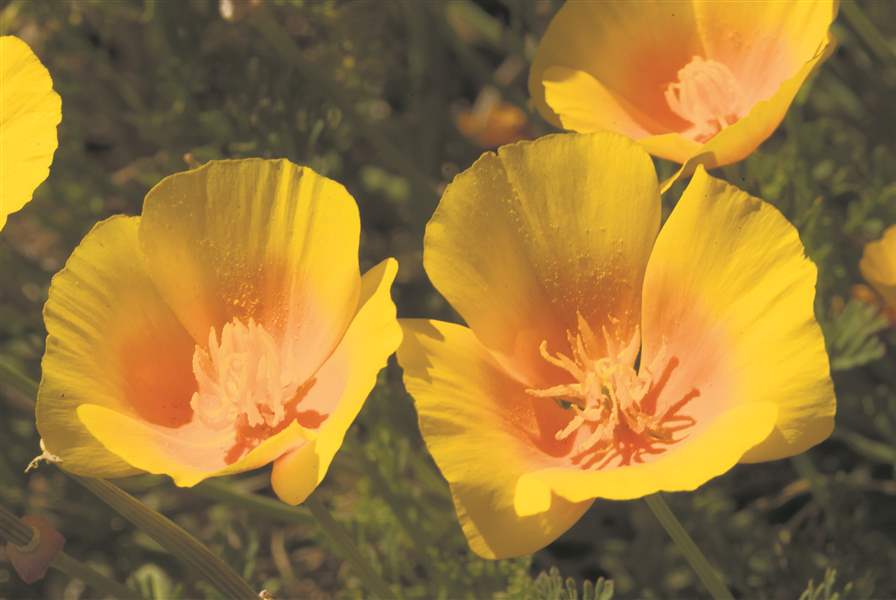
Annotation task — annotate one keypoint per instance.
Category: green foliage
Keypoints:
(550, 585)
(825, 590)
(853, 338)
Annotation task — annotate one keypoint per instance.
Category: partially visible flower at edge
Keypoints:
(693, 82)
(604, 357)
(225, 328)
(878, 267)
(30, 110)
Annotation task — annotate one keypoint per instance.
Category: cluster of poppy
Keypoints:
(229, 326)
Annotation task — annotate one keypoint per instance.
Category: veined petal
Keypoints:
(729, 294)
(260, 239)
(878, 265)
(342, 385)
(484, 433)
(712, 451)
(526, 238)
(29, 112)
(112, 341)
(633, 49)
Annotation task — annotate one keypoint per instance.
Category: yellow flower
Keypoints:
(605, 358)
(878, 266)
(226, 328)
(29, 112)
(685, 79)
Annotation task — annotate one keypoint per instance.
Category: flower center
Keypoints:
(708, 95)
(243, 374)
(615, 411)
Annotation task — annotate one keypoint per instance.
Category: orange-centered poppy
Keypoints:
(29, 112)
(225, 328)
(878, 266)
(686, 79)
(604, 357)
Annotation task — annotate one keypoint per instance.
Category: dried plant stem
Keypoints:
(18, 533)
(686, 545)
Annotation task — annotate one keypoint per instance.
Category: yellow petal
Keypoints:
(261, 239)
(187, 454)
(712, 451)
(113, 342)
(583, 104)
(29, 112)
(484, 433)
(525, 238)
(194, 452)
(342, 385)
(729, 293)
(632, 48)
(878, 265)
(739, 140)
(764, 43)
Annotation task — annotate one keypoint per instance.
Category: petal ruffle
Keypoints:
(526, 238)
(484, 433)
(729, 293)
(29, 112)
(342, 385)
(256, 238)
(113, 342)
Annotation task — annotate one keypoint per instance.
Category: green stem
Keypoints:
(867, 31)
(19, 534)
(172, 537)
(686, 545)
(376, 587)
(267, 508)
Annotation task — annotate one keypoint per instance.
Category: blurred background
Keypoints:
(393, 98)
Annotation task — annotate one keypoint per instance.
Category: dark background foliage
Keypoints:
(370, 93)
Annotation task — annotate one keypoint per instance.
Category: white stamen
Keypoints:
(243, 374)
(708, 95)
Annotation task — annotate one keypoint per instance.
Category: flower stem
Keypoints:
(686, 545)
(376, 587)
(18, 533)
(173, 538)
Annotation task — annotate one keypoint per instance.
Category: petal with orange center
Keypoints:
(632, 49)
(336, 392)
(342, 385)
(764, 43)
(260, 239)
(878, 265)
(484, 433)
(112, 341)
(526, 238)
(29, 112)
(740, 139)
(729, 295)
(685, 466)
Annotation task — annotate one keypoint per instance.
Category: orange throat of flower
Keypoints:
(707, 95)
(247, 381)
(617, 416)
